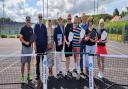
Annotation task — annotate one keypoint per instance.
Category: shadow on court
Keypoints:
(107, 84)
(63, 83)
(28, 85)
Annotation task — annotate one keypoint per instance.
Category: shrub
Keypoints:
(12, 36)
(17, 35)
(3, 36)
(115, 27)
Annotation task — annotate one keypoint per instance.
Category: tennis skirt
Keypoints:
(101, 50)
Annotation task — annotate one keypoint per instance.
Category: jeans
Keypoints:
(82, 49)
(58, 61)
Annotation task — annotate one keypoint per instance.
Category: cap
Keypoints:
(28, 18)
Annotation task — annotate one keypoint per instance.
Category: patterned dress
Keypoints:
(50, 56)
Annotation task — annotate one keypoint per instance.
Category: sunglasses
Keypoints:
(28, 20)
(40, 17)
(91, 21)
(60, 19)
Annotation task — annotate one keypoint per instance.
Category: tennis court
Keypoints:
(116, 72)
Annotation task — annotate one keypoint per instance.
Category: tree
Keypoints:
(127, 9)
(116, 12)
(5, 20)
(125, 12)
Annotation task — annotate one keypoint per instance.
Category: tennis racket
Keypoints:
(70, 37)
(104, 35)
(93, 35)
(82, 33)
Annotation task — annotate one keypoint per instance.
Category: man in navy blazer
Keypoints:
(59, 41)
(40, 44)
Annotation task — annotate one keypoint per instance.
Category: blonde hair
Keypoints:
(48, 22)
(90, 19)
(101, 21)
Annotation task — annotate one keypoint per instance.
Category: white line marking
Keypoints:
(118, 48)
(116, 51)
(8, 66)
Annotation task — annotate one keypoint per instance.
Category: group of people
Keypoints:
(49, 40)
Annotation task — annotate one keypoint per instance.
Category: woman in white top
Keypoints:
(50, 56)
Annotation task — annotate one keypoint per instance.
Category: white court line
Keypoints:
(8, 66)
(118, 48)
(116, 51)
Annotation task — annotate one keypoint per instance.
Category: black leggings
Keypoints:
(38, 58)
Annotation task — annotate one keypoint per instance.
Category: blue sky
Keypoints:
(18, 9)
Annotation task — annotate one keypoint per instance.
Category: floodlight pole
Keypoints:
(97, 6)
(43, 7)
(47, 8)
(3, 11)
(94, 7)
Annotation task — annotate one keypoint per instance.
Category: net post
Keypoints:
(91, 81)
(45, 72)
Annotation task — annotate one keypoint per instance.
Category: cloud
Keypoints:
(18, 9)
(102, 9)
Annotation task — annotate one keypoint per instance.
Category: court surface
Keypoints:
(116, 70)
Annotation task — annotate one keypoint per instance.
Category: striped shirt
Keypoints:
(76, 37)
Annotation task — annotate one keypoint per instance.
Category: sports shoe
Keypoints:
(75, 74)
(60, 75)
(29, 78)
(22, 79)
(82, 75)
(100, 75)
(69, 75)
(37, 78)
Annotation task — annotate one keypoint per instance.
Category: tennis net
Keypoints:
(115, 71)
(115, 74)
(10, 73)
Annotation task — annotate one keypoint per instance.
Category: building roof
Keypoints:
(116, 18)
(125, 18)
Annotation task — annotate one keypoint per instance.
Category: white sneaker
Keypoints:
(100, 75)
